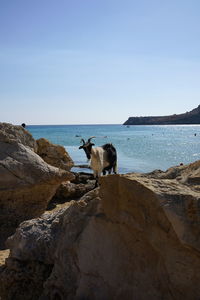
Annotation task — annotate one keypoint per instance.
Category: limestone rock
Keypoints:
(188, 174)
(79, 186)
(10, 133)
(70, 191)
(27, 183)
(54, 155)
(35, 246)
(82, 177)
(137, 237)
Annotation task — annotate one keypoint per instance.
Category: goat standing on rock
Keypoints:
(102, 158)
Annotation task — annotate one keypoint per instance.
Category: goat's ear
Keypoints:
(81, 147)
(92, 144)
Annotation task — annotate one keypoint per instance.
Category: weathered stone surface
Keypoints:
(54, 155)
(137, 237)
(10, 133)
(70, 191)
(188, 174)
(27, 183)
(38, 241)
(82, 177)
(28, 276)
(79, 186)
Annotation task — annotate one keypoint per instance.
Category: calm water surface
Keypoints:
(140, 148)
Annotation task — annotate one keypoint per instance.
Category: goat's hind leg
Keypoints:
(115, 168)
(104, 172)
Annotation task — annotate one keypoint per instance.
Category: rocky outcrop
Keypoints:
(10, 133)
(31, 264)
(54, 155)
(70, 191)
(79, 186)
(191, 117)
(27, 183)
(188, 174)
(137, 237)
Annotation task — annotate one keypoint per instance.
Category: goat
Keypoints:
(103, 158)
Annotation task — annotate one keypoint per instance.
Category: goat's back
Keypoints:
(99, 159)
(111, 152)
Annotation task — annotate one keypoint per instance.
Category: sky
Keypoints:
(97, 61)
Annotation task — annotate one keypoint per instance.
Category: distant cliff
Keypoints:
(191, 117)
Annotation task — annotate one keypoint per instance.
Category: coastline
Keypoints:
(140, 148)
(143, 228)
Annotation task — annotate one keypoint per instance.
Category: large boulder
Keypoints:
(54, 155)
(137, 237)
(31, 264)
(12, 133)
(27, 183)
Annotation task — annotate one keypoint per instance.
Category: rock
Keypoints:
(188, 174)
(70, 191)
(80, 185)
(54, 155)
(32, 263)
(137, 237)
(27, 183)
(10, 133)
(82, 177)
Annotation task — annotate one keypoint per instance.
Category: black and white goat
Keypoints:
(102, 159)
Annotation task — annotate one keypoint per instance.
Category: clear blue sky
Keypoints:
(97, 61)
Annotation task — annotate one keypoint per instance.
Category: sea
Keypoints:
(139, 148)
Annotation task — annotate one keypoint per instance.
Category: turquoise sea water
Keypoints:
(140, 148)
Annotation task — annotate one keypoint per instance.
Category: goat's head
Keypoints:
(87, 146)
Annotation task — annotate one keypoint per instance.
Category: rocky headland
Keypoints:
(137, 236)
(191, 117)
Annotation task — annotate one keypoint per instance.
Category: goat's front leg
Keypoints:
(97, 182)
(96, 179)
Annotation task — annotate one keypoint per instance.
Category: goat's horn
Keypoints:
(82, 140)
(92, 137)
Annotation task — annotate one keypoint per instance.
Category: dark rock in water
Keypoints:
(192, 117)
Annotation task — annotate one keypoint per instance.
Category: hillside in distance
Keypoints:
(191, 117)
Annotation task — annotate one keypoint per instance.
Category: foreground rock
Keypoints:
(27, 183)
(54, 155)
(32, 264)
(138, 237)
